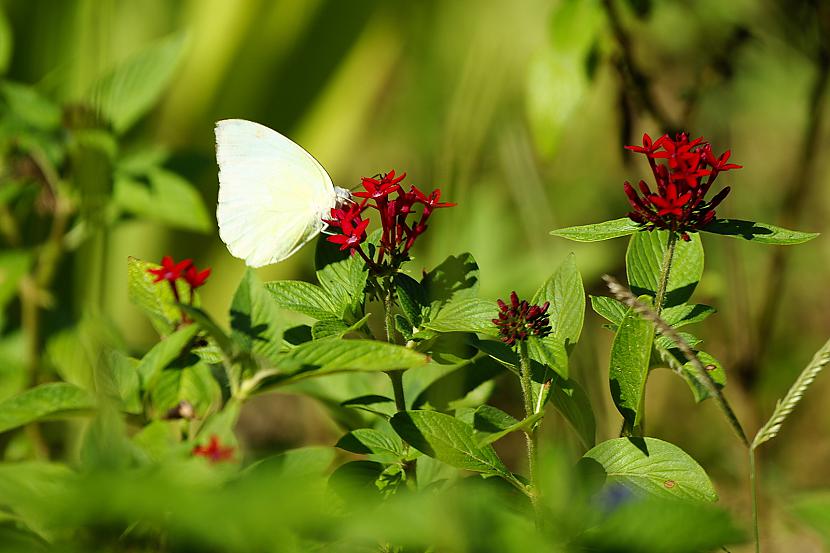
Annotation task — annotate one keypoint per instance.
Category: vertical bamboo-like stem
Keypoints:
(395, 376)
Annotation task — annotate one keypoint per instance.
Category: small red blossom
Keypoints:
(403, 217)
(684, 171)
(519, 319)
(214, 451)
(170, 270)
(196, 278)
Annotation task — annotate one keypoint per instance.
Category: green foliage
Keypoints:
(449, 440)
(652, 466)
(630, 356)
(598, 231)
(644, 259)
(761, 233)
(54, 400)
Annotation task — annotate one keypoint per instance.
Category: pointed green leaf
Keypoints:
(570, 399)
(598, 231)
(154, 298)
(456, 278)
(644, 263)
(566, 295)
(193, 383)
(686, 314)
(758, 232)
(549, 351)
(608, 308)
(449, 440)
(466, 315)
(255, 318)
(492, 424)
(369, 441)
(630, 355)
(342, 276)
(134, 86)
(51, 400)
(165, 352)
(412, 298)
(652, 466)
(162, 196)
(302, 297)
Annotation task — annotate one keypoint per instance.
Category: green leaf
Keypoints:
(456, 278)
(328, 328)
(53, 400)
(134, 86)
(155, 299)
(712, 366)
(644, 262)
(193, 383)
(165, 352)
(465, 315)
(456, 384)
(255, 318)
(372, 442)
(549, 351)
(302, 297)
(570, 399)
(162, 196)
(342, 276)
(493, 424)
(598, 231)
(685, 314)
(609, 308)
(566, 295)
(449, 440)
(216, 334)
(124, 373)
(630, 355)
(652, 466)
(758, 232)
(658, 525)
(336, 355)
(28, 105)
(412, 299)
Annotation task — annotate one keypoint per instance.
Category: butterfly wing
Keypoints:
(272, 193)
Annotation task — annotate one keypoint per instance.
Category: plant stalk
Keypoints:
(665, 272)
(754, 485)
(396, 376)
(530, 433)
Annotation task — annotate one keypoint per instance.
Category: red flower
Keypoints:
(683, 179)
(169, 270)
(400, 222)
(196, 278)
(519, 319)
(214, 451)
(351, 224)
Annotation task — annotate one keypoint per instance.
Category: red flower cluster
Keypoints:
(399, 230)
(214, 451)
(519, 320)
(186, 270)
(683, 179)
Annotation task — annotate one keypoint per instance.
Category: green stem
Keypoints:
(396, 376)
(754, 486)
(530, 433)
(665, 272)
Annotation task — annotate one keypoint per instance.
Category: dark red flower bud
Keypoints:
(519, 319)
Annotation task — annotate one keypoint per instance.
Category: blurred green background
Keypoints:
(518, 111)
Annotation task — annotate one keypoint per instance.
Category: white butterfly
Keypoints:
(273, 195)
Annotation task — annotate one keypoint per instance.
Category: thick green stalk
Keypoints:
(665, 272)
(530, 433)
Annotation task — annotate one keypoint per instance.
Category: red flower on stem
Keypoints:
(214, 451)
(684, 171)
(171, 272)
(401, 224)
(519, 319)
